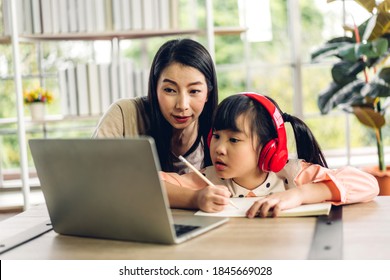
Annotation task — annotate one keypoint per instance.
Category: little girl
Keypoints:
(248, 148)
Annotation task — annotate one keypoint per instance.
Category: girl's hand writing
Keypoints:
(213, 198)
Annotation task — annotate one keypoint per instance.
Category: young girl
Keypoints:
(248, 148)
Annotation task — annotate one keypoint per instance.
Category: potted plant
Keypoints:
(361, 76)
(36, 99)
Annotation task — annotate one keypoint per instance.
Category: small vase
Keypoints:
(37, 110)
(383, 178)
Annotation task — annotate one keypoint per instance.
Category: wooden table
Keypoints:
(366, 235)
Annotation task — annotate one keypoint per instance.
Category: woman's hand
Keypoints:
(213, 198)
(306, 194)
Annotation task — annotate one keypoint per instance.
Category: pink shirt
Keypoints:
(348, 184)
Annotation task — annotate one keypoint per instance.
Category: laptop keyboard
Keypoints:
(182, 229)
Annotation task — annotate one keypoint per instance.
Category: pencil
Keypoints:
(202, 176)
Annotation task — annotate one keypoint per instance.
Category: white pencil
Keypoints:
(201, 176)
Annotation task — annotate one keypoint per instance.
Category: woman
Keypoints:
(177, 112)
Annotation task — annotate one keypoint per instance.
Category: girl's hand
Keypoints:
(275, 203)
(213, 198)
(305, 194)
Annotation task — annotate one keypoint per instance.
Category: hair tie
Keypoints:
(286, 117)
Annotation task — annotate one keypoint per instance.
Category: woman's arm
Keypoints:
(189, 192)
(110, 124)
(120, 120)
(180, 197)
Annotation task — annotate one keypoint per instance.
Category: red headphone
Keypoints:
(274, 154)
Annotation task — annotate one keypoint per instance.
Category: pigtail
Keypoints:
(307, 146)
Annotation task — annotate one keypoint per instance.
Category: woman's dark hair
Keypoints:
(188, 53)
(263, 126)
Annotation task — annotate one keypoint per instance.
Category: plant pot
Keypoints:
(37, 110)
(383, 178)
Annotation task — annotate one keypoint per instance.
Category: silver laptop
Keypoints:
(110, 188)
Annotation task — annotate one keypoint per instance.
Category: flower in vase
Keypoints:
(38, 94)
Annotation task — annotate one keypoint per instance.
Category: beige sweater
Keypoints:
(124, 118)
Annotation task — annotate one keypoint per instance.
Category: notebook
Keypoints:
(110, 188)
(243, 204)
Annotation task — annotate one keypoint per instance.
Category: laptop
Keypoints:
(110, 188)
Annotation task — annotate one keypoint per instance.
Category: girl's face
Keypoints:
(182, 94)
(235, 155)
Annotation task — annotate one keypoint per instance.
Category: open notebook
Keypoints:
(244, 204)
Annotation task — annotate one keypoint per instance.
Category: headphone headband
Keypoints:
(274, 154)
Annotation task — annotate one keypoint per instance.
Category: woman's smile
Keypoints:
(181, 119)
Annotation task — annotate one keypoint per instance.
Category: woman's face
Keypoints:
(182, 94)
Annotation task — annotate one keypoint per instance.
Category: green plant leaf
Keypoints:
(330, 48)
(363, 29)
(369, 27)
(345, 72)
(369, 117)
(382, 25)
(375, 27)
(324, 101)
(384, 6)
(363, 98)
(381, 17)
(379, 85)
(340, 95)
(369, 5)
(372, 49)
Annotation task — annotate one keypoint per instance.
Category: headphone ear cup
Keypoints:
(209, 136)
(278, 161)
(266, 155)
(271, 159)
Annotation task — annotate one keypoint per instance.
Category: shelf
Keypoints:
(5, 39)
(42, 125)
(50, 119)
(130, 34)
(12, 200)
(229, 30)
(17, 184)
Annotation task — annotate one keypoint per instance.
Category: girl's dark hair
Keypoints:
(262, 125)
(188, 53)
